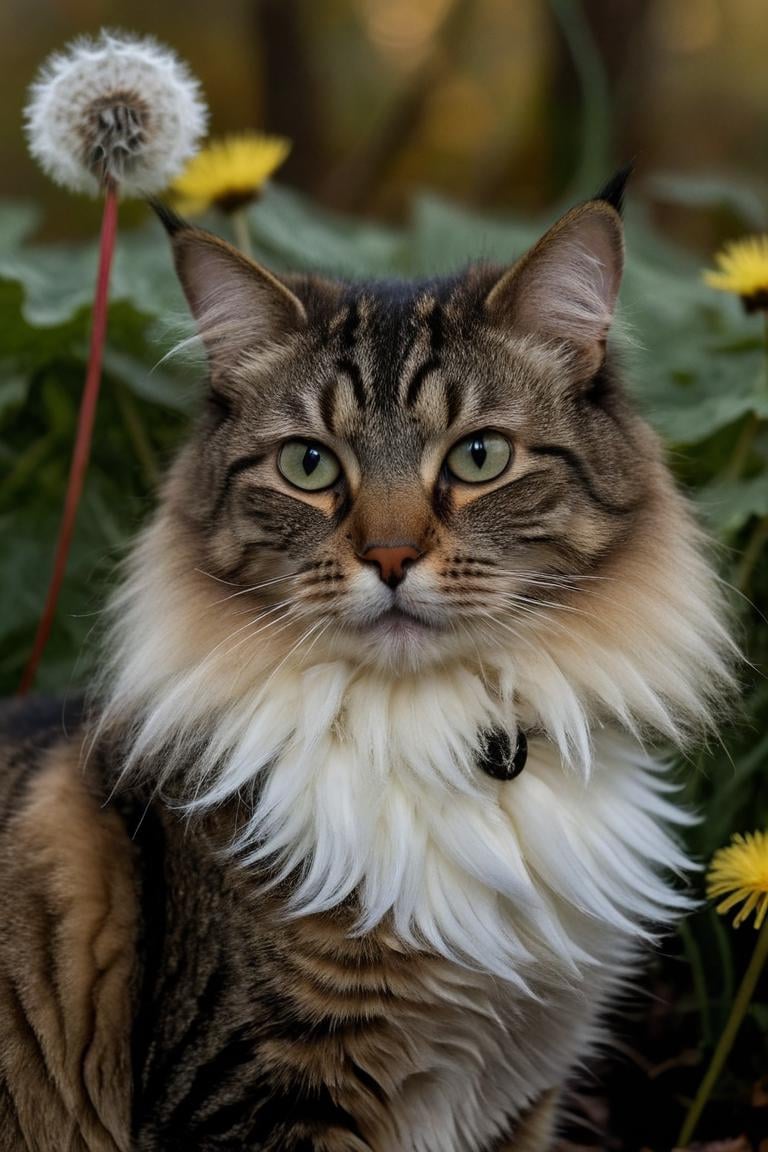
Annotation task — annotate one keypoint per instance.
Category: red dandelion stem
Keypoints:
(82, 449)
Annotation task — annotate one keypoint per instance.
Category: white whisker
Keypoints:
(304, 636)
(237, 631)
(290, 616)
(258, 587)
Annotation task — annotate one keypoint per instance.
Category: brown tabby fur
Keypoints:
(109, 908)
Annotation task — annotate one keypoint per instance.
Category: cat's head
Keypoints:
(415, 465)
(432, 475)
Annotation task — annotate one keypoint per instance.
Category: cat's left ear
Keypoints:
(238, 306)
(565, 287)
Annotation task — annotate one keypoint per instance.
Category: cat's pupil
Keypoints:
(478, 452)
(310, 461)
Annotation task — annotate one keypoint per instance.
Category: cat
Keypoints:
(360, 835)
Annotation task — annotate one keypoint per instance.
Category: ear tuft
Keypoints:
(170, 220)
(613, 192)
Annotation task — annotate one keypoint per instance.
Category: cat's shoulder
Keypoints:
(67, 951)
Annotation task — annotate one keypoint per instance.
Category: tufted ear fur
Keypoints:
(238, 306)
(565, 287)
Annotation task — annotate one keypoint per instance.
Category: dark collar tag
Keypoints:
(497, 757)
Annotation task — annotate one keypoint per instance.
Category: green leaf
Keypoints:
(284, 228)
(688, 406)
(745, 198)
(446, 237)
(728, 506)
(18, 220)
(180, 393)
(58, 282)
(13, 387)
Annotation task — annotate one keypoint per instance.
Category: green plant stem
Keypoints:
(752, 553)
(242, 232)
(743, 448)
(726, 959)
(27, 465)
(693, 954)
(138, 435)
(725, 1043)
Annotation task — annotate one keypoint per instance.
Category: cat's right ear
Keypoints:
(565, 288)
(238, 306)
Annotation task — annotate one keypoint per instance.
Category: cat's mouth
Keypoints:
(398, 621)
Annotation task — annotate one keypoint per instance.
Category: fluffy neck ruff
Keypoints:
(360, 783)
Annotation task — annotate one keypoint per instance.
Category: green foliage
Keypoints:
(697, 365)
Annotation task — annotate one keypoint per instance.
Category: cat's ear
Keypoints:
(237, 305)
(565, 287)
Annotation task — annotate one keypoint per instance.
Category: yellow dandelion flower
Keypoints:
(739, 872)
(742, 268)
(229, 173)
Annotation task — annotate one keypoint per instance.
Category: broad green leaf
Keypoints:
(58, 281)
(446, 237)
(179, 392)
(728, 506)
(746, 198)
(13, 387)
(18, 220)
(287, 231)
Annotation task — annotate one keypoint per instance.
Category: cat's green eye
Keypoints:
(479, 458)
(308, 465)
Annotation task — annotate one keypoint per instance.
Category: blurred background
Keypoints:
(481, 100)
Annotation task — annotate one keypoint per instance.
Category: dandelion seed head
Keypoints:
(115, 108)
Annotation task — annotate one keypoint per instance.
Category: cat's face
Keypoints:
(402, 473)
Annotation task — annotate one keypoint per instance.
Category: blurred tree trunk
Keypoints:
(354, 184)
(292, 95)
(599, 69)
(620, 30)
(617, 32)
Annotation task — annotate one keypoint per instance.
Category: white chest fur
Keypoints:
(372, 786)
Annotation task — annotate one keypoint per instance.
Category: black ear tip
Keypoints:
(170, 220)
(613, 192)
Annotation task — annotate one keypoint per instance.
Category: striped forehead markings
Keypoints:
(435, 326)
(389, 357)
(346, 365)
(436, 334)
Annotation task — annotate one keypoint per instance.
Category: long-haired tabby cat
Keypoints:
(362, 834)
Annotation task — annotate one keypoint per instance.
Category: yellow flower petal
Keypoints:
(747, 909)
(761, 910)
(739, 872)
(741, 268)
(229, 172)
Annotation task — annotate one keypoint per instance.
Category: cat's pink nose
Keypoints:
(391, 562)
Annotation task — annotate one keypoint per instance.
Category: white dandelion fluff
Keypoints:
(118, 109)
